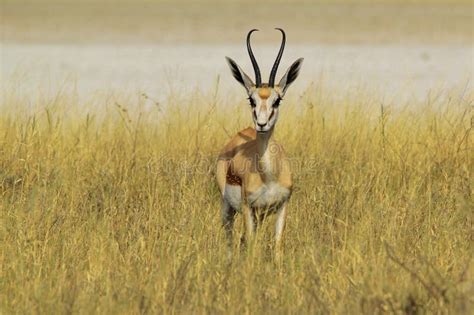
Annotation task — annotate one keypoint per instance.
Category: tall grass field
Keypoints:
(109, 205)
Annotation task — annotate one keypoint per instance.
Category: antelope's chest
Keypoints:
(268, 196)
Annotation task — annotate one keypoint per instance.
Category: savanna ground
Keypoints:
(109, 204)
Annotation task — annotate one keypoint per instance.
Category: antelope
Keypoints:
(253, 172)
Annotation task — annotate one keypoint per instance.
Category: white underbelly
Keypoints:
(268, 196)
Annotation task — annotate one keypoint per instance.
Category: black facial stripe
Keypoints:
(271, 115)
(252, 102)
(254, 114)
(277, 102)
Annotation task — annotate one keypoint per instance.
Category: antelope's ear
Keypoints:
(290, 75)
(240, 75)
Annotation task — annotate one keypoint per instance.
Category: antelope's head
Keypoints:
(265, 98)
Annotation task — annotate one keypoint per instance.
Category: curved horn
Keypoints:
(271, 81)
(258, 77)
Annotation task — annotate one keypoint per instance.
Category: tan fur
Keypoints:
(255, 168)
(229, 151)
(264, 93)
(240, 159)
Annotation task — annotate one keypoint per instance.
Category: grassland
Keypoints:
(109, 205)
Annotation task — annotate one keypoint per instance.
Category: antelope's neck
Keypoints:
(265, 159)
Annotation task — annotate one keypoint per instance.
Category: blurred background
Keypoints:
(397, 49)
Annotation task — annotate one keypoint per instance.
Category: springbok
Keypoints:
(253, 171)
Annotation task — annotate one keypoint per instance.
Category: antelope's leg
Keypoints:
(279, 227)
(249, 220)
(228, 218)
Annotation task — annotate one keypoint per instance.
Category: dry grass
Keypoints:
(111, 207)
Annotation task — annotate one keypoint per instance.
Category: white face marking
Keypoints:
(265, 109)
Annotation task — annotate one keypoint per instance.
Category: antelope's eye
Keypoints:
(277, 102)
(252, 102)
